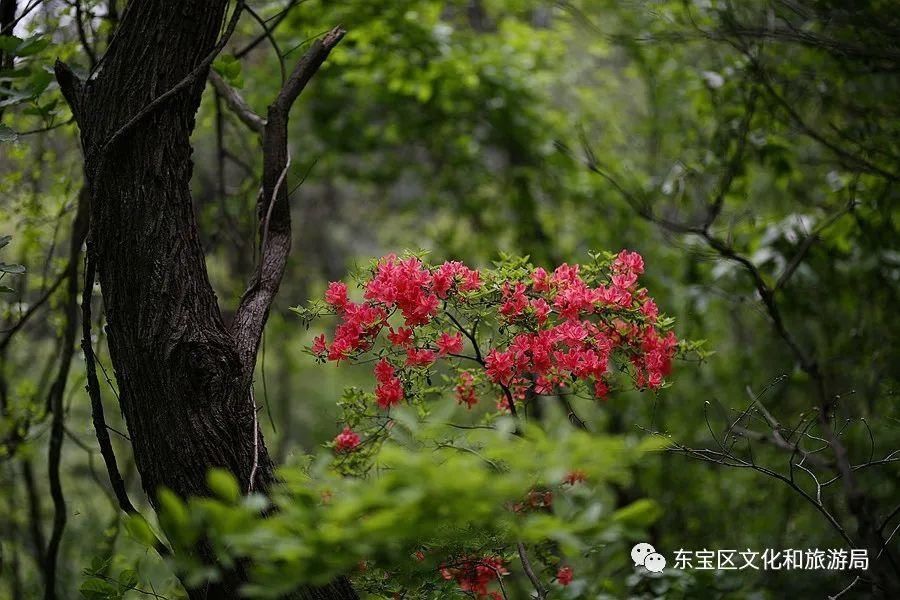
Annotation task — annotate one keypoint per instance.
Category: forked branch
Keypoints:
(273, 210)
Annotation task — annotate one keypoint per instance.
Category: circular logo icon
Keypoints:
(640, 552)
(655, 562)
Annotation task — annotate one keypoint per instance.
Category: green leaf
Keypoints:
(223, 484)
(9, 43)
(6, 290)
(641, 513)
(16, 97)
(97, 589)
(227, 66)
(39, 81)
(128, 578)
(232, 69)
(100, 563)
(31, 46)
(140, 530)
(13, 74)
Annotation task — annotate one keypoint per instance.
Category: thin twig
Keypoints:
(93, 388)
(529, 571)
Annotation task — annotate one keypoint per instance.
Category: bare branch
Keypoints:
(55, 398)
(776, 439)
(272, 209)
(93, 388)
(236, 103)
(731, 460)
(846, 589)
(268, 29)
(82, 36)
(850, 159)
(33, 308)
(807, 243)
(306, 68)
(267, 32)
(734, 164)
(529, 571)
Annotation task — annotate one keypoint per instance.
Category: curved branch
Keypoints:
(272, 209)
(268, 34)
(278, 18)
(55, 399)
(236, 103)
(93, 388)
(529, 571)
(33, 309)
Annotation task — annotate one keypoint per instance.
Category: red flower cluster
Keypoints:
(536, 500)
(475, 574)
(346, 440)
(656, 361)
(465, 390)
(360, 324)
(404, 285)
(568, 329)
(455, 273)
(389, 391)
(576, 476)
(419, 357)
(416, 291)
(449, 344)
(541, 332)
(575, 346)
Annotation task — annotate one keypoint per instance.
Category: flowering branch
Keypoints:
(551, 331)
(532, 334)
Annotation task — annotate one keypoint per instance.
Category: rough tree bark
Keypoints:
(182, 376)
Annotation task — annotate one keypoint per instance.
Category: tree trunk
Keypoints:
(186, 403)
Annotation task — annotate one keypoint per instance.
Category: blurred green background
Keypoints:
(733, 144)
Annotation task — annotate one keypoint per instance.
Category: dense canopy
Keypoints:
(449, 299)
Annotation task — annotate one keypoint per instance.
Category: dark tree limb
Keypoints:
(529, 571)
(199, 70)
(734, 163)
(273, 210)
(35, 517)
(93, 388)
(97, 414)
(182, 385)
(82, 36)
(8, 27)
(70, 86)
(55, 399)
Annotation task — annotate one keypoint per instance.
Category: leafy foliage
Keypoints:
(748, 151)
(429, 489)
